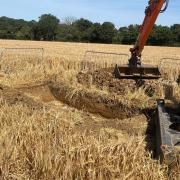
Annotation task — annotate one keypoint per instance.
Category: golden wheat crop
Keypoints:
(51, 140)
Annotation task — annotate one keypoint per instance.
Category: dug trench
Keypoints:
(50, 96)
(93, 102)
(153, 89)
(128, 116)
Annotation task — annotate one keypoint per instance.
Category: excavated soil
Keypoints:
(41, 92)
(94, 102)
(104, 79)
(36, 96)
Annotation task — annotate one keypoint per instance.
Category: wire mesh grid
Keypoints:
(170, 68)
(94, 60)
(20, 59)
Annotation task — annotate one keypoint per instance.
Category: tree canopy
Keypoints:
(49, 28)
(46, 28)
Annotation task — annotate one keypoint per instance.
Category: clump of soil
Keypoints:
(104, 78)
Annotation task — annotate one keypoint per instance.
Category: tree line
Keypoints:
(49, 28)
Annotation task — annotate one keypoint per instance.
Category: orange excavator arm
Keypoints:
(152, 11)
(134, 69)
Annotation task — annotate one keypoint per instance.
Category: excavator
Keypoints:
(135, 68)
(168, 123)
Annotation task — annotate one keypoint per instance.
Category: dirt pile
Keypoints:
(104, 79)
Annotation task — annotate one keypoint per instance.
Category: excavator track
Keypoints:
(168, 134)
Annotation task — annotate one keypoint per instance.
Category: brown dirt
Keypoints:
(105, 79)
(1, 75)
(15, 97)
(41, 92)
(94, 102)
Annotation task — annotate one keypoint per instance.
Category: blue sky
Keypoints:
(120, 12)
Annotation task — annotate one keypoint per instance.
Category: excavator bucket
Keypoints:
(94, 60)
(135, 72)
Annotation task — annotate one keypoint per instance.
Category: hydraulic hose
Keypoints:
(165, 7)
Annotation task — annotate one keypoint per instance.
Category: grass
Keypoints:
(61, 142)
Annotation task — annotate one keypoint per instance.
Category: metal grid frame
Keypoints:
(4, 50)
(90, 56)
(20, 51)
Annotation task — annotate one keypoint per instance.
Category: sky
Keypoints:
(120, 12)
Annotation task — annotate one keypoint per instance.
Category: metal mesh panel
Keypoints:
(170, 68)
(14, 60)
(94, 60)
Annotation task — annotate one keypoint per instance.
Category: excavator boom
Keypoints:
(152, 12)
(135, 69)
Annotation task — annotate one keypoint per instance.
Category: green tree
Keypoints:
(95, 33)
(160, 35)
(128, 35)
(107, 32)
(175, 29)
(46, 28)
(24, 33)
(9, 27)
(83, 24)
(81, 29)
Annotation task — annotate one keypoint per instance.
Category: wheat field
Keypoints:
(44, 136)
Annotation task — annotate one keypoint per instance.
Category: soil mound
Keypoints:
(104, 78)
